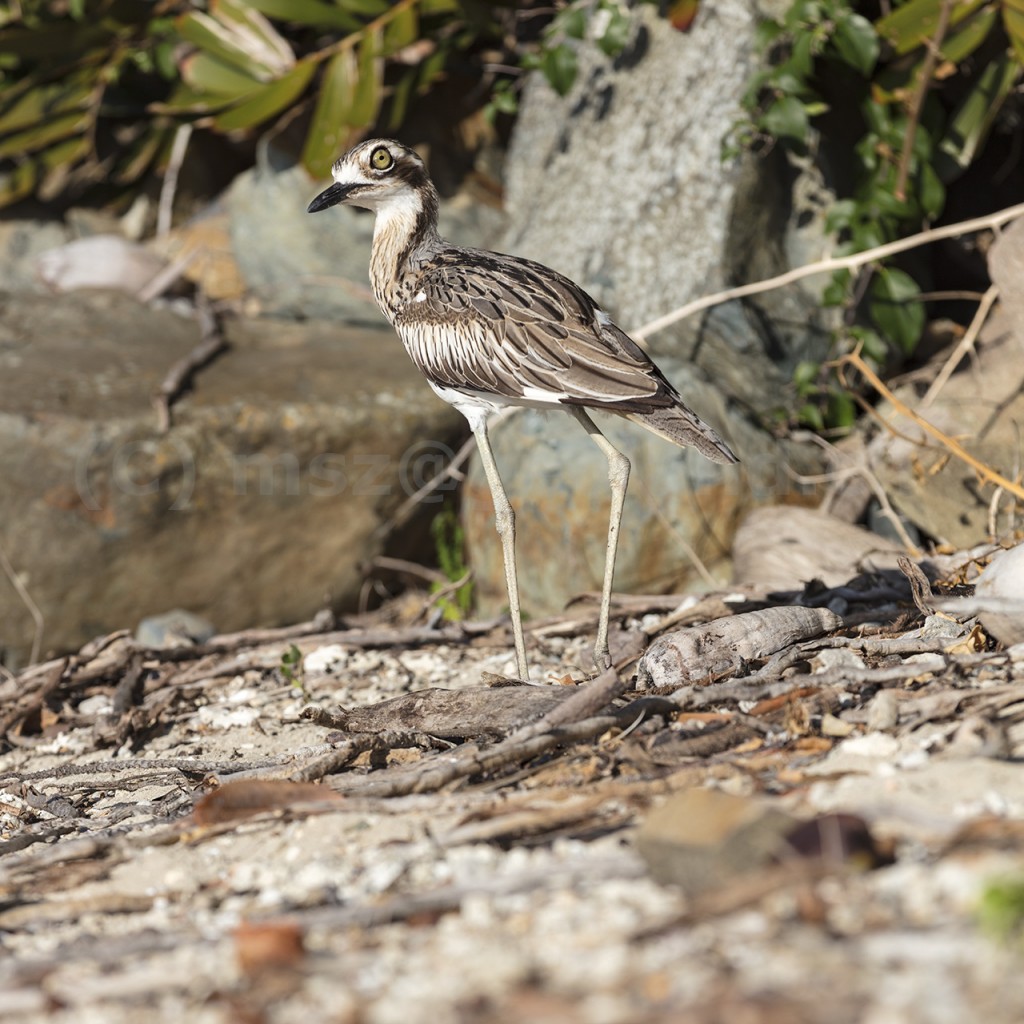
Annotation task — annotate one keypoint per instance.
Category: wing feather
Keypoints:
(504, 325)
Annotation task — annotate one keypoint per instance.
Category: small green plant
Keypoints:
(450, 547)
(917, 91)
(291, 668)
(1001, 910)
(606, 22)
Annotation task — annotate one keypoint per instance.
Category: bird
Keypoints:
(489, 330)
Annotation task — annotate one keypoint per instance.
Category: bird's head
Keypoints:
(379, 175)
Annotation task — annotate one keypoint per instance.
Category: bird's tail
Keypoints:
(686, 429)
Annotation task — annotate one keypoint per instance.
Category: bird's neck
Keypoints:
(405, 233)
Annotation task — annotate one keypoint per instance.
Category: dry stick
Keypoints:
(26, 598)
(170, 185)
(163, 279)
(568, 722)
(832, 264)
(213, 342)
(917, 100)
(966, 345)
(858, 466)
(986, 473)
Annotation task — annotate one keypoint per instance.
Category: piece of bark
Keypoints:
(718, 648)
(486, 712)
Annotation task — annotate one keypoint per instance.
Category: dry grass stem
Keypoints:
(965, 346)
(26, 598)
(952, 446)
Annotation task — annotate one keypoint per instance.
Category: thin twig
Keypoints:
(917, 100)
(163, 279)
(965, 345)
(830, 265)
(26, 598)
(166, 208)
(985, 472)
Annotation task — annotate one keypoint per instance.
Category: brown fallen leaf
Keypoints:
(268, 945)
(242, 799)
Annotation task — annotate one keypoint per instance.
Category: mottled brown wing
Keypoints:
(513, 328)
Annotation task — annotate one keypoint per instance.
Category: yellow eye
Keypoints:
(381, 159)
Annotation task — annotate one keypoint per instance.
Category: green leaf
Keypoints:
(19, 183)
(185, 100)
(766, 32)
(895, 309)
(327, 129)
(75, 92)
(931, 192)
(842, 410)
(401, 94)
(41, 135)
(959, 45)
(369, 79)
(810, 416)
(840, 214)
(401, 31)
(573, 22)
(140, 156)
(835, 292)
(616, 35)
(1013, 20)
(805, 376)
(308, 12)
(786, 118)
(369, 8)
(205, 73)
(973, 118)
(560, 67)
(260, 57)
(269, 101)
(915, 22)
(856, 42)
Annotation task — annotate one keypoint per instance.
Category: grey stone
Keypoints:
(787, 546)
(622, 186)
(1003, 580)
(21, 243)
(175, 628)
(258, 507)
(317, 266)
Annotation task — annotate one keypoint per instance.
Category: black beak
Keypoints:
(330, 197)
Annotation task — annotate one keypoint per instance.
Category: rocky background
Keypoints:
(284, 474)
(234, 788)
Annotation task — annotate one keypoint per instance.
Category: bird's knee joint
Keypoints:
(505, 519)
(618, 470)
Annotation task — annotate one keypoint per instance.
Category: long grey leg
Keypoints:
(505, 519)
(618, 480)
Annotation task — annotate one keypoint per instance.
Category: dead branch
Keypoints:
(985, 472)
(963, 348)
(830, 265)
